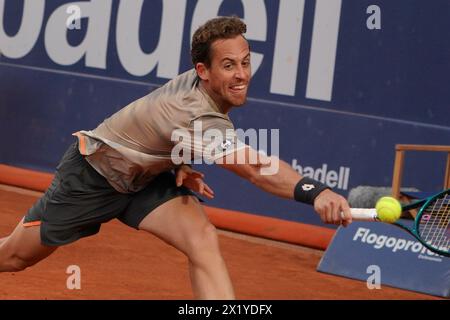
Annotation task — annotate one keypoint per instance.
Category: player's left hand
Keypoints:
(192, 179)
(329, 205)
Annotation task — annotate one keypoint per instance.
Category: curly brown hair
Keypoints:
(217, 28)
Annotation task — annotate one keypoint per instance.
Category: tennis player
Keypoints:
(125, 168)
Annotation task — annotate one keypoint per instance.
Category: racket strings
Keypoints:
(443, 237)
(439, 236)
(434, 224)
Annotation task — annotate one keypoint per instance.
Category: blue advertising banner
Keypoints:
(343, 82)
(382, 254)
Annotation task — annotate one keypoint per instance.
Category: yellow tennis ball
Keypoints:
(388, 209)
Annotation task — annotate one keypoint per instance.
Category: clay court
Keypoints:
(121, 263)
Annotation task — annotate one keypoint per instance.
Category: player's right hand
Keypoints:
(329, 205)
(192, 179)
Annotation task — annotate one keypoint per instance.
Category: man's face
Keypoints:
(228, 76)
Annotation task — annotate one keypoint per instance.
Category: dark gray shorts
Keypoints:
(79, 200)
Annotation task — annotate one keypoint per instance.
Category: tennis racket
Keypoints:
(431, 225)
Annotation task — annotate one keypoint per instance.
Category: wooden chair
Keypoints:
(400, 150)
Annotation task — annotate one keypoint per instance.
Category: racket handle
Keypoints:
(362, 214)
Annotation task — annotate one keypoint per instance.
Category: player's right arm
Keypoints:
(277, 177)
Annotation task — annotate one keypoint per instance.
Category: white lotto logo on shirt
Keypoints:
(214, 146)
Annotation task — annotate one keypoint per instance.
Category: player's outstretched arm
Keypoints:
(277, 177)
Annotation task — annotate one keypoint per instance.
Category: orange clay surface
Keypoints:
(122, 263)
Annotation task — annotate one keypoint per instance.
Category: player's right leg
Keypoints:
(182, 223)
(175, 215)
(23, 249)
